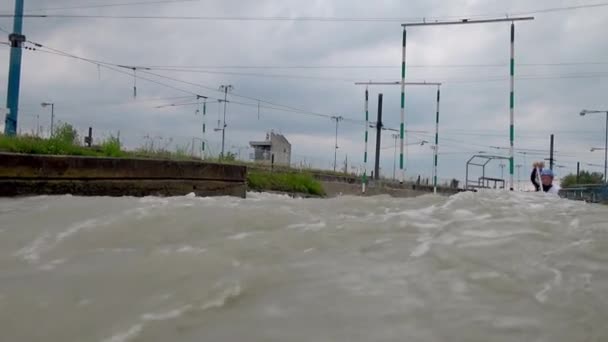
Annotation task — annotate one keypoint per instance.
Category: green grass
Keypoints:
(34, 145)
(61, 146)
(286, 182)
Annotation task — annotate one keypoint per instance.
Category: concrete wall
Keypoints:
(22, 174)
(281, 150)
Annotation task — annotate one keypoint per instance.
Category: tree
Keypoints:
(66, 133)
(585, 178)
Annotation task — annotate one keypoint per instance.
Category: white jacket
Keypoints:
(554, 190)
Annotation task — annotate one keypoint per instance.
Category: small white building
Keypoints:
(275, 145)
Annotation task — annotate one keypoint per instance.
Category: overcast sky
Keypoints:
(561, 58)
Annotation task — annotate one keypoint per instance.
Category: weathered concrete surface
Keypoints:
(22, 175)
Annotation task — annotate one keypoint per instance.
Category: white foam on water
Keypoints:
(542, 295)
(421, 249)
(191, 249)
(462, 214)
(75, 228)
(184, 249)
(486, 242)
(31, 252)
(315, 227)
(116, 250)
(44, 243)
(507, 322)
(52, 265)
(421, 214)
(227, 294)
(240, 236)
(155, 200)
(126, 335)
(575, 224)
(495, 234)
(163, 316)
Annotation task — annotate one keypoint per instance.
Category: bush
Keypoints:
(65, 134)
(111, 148)
(585, 178)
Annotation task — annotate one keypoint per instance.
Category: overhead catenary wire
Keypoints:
(305, 18)
(122, 4)
(118, 67)
(113, 66)
(146, 69)
(475, 65)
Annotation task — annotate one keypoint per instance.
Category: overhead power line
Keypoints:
(338, 67)
(122, 69)
(123, 4)
(303, 18)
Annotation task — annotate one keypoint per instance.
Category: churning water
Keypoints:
(485, 267)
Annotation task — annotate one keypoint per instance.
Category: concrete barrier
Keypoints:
(24, 174)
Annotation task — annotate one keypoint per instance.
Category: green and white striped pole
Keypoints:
(364, 183)
(198, 97)
(512, 106)
(402, 128)
(436, 141)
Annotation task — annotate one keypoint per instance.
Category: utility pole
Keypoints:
(379, 126)
(198, 110)
(225, 89)
(578, 171)
(396, 137)
(551, 161)
(366, 109)
(46, 104)
(502, 170)
(16, 40)
(337, 119)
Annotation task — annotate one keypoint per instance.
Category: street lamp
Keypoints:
(585, 112)
(46, 104)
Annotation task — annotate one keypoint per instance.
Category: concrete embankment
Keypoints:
(25, 175)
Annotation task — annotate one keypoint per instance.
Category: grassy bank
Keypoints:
(56, 146)
(285, 182)
(66, 142)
